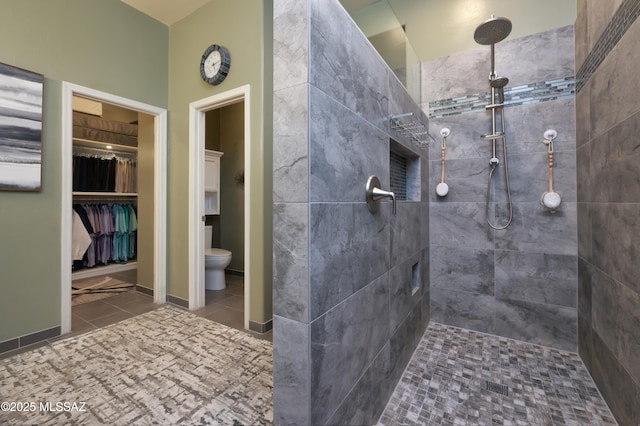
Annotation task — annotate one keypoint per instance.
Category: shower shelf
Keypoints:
(409, 126)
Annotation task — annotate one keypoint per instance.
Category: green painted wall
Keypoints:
(105, 45)
(245, 29)
(232, 194)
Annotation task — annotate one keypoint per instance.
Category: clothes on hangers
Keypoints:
(113, 228)
(108, 172)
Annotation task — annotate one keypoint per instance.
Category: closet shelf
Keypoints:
(86, 143)
(105, 194)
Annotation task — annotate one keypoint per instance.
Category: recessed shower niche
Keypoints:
(404, 172)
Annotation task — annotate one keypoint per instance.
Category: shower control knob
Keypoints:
(494, 161)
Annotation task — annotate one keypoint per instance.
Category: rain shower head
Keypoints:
(492, 31)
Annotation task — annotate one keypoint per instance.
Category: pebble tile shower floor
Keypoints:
(462, 377)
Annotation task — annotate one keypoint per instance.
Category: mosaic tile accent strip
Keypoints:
(446, 383)
(548, 90)
(398, 175)
(166, 366)
(624, 17)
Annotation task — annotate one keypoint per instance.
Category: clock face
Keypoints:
(215, 64)
(212, 64)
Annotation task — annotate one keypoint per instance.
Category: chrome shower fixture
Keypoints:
(490, 32)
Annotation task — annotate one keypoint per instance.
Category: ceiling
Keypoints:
(167, 11)
(170, 11)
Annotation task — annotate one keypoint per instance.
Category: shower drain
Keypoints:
(497, 388)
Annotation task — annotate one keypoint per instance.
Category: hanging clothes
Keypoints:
(106, 172)
(112, 228)
(80, 238)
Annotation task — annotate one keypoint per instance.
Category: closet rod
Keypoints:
(93, 151)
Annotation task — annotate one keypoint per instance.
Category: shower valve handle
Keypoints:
(374, 194)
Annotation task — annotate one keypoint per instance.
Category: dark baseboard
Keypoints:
(29, 339)
(178, 301)
(145, 290)
(259, 327)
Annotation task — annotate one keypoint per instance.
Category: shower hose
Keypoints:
(494, 166)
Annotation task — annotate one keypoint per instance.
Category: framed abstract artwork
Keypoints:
(21, 94)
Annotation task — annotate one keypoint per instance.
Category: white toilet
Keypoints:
(215, 260)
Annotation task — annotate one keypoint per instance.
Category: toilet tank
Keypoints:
(208, 236)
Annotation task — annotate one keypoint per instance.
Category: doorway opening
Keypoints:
(148, 205)
(234, 190)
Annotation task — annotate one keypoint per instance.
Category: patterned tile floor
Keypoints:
(446, 381)
(166, 366)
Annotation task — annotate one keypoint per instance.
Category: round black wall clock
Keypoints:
(215, 64)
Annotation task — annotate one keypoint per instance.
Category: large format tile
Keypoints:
(291, 261)
(402, 295)
(529, 177)
(290, 43)
(464, 140)
(369, 396)
(467, 179)
(466, 73)
(616, 319)
(291, 372)
(290, 144)
(344, 341)
(535, 229)
(583, 173)
(615, 163)
(459, 225)
(404, 341)
(536, 277)
(405, 241)
(615, 230)
(615, 84)
(584, 231)
(525, 126)
(463, 309)
(352, 73)
(614, 384)
(463, 269)
(348, 248)
(344, 150)
(538, 57)
(547, 325)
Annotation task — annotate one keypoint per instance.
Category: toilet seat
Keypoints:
(214, 252)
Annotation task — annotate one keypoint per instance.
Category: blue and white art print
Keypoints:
(20, 129)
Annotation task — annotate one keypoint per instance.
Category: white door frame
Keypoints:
(197, 110)
(159, 183)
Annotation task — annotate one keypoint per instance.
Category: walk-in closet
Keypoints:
(112, 236)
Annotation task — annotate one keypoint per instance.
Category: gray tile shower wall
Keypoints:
(608, 170)
(351, 288)
(520, 282)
